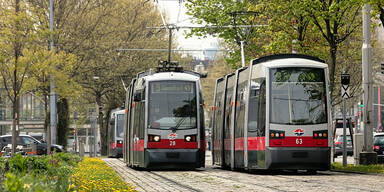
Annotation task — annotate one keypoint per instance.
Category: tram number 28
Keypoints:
(299, 141)
(172, 143)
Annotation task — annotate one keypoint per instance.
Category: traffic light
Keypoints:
(382, 68)
(101, 109)
(345, 79)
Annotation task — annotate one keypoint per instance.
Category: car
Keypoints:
(25, 140)
(339, 145)
(378, 146)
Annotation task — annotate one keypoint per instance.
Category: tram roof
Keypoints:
(290, 60)
(118, 111)
(172, 76)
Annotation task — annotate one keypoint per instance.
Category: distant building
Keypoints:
(31, 113)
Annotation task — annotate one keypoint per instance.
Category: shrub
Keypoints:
(37, 173)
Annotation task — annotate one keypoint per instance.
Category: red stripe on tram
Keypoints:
(295, 141)
(256, 143)
(139, 146)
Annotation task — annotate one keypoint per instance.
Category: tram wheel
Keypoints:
(311, 172)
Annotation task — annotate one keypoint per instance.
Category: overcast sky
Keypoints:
(176, 15)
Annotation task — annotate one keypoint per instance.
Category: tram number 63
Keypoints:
(299, 141)
(172, 143)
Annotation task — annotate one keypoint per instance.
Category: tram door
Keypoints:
(256, 121)
(138, 139)
(229, 103)
(241, 93)
(126, 124)
(218, 123)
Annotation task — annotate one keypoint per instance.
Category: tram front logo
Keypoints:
(172, 136)
(299, 132)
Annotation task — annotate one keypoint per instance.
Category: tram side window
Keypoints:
(202, 125)
(240, 109)
(228, 112)
(136, 120)
(253, 106)
(142, 119)
(257, 100)
(111, 128)
(262, 110)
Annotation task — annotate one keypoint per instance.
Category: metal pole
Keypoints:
(50, 132)
(242, 54)
(169, 45)
(367, 80)
(95, 131)
(344, 135)
(74, 136)
(378, 108)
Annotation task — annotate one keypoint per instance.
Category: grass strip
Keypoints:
(92, 174)
(377, 168)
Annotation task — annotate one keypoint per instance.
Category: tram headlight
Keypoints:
(277, 134)
(321, 134)
(154, 138)
(190, 138)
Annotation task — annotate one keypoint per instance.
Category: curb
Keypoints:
(356, 172)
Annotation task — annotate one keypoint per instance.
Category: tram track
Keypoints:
(322, 182)
(162, 182)
(212, 179)
(212, 174)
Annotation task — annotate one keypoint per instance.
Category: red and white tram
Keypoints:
(115, 133)
(273, 115)
(164, 124)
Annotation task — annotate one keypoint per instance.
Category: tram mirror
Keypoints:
(112, 121)
(204, 75)
(137, 97)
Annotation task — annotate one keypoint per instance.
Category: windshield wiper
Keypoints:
(174, 128)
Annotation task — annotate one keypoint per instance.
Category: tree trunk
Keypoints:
(381, 15)
(103, 130)
(15, 125)
(46, 121)
(63, 122)
(332, 66)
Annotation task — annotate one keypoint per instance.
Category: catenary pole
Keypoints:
(367, 156)
(367, 79)
(52, 104)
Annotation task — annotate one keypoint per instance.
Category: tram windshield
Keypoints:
(172, 105)
(120, 126)
(298, 96)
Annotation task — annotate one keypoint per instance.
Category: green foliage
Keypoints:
(42, 173)
(330, 30)
(13, 183)
(378, 168)
(18, 164)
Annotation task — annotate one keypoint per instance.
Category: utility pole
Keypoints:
(367, 156)
(95, 131)
(242, 54)
(51, 132)
(345, 79)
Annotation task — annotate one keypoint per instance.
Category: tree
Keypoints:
(60, 65)
(336, 21)
(318, 28)
(92, 30)
(18, 34)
